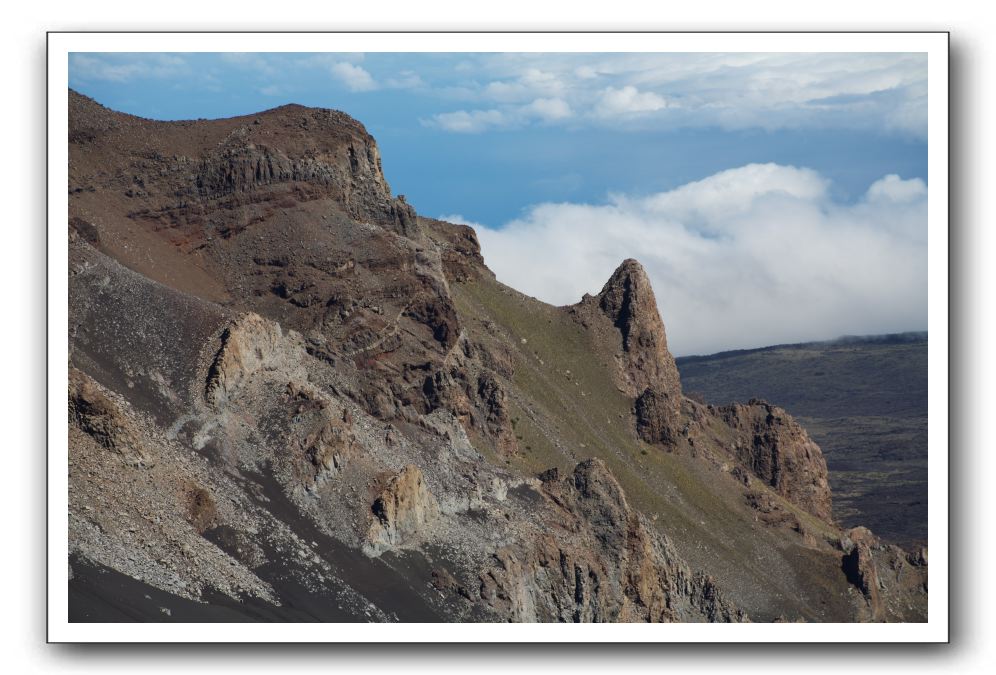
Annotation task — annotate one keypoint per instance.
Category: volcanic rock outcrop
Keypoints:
(602, 565)
(892, 581)
(628, 300)
(644, 368)
(292, 398)
(404, 509)
(772, 445)
(250, 345)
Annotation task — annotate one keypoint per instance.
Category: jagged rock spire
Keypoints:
(628, 300)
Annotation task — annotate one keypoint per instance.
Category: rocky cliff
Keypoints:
(601, 564)
(292, 398)
(774, 448)
(645, 363)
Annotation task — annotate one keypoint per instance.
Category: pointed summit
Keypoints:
(628, 300)
(647, 368)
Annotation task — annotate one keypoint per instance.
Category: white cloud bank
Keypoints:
(475, 121)
(748, 257)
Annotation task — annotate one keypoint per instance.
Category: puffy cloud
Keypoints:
(585, 72)
(126, 67)
(529, 83)
(892, 188)
(504, 91)
(354, 77)
(476, 121)
(714, 202)
(548, 109)
(628, 101)
(468, 122)
(757, 255)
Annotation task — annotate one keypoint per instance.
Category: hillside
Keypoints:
(293, 398)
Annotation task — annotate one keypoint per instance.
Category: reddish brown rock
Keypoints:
(100, 416)
(461, 250)
(628, 300)
(773, 447)
(283, 157)
(202, 510)
(625, 314)
(893, 582)
(657, 419)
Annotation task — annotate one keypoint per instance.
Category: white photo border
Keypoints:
(934, 44)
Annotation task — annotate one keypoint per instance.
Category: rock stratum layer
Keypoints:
(293, 398)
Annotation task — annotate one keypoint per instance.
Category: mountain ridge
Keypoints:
(321, 392)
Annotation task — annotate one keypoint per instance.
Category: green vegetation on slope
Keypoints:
(565, 407)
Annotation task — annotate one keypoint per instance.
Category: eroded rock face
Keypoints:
(859, 567)
(404, 510)
(327, 442)
(439, 315)
(604, 565)
(461, 250)
(657, 419)
(628, 300)
(247, 346)
(645, 369)
(472, 387)
(493, 401)
(892, 582)
(290, 153)
(773, 447)
(100, 416)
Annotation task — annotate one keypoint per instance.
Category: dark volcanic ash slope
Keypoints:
(292, 398)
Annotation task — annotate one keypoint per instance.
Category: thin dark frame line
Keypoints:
(48, 228)
(502, 32)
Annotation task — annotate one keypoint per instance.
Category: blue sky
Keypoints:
(584, 146)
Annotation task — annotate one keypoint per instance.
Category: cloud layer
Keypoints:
(884, 92)
(480, 92)
(752, 256)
